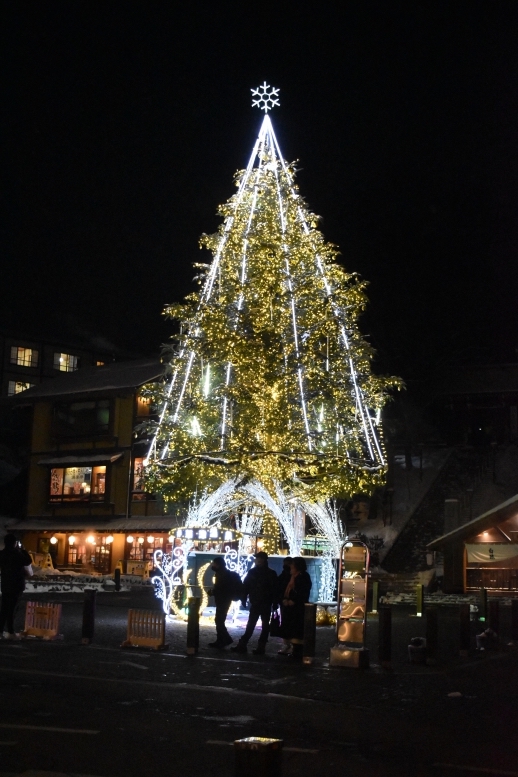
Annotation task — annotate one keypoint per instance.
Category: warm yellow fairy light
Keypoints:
(280, 400)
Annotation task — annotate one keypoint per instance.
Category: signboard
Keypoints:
(487, 552)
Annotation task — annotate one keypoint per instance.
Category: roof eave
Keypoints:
(499, 513)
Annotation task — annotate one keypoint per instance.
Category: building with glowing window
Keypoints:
(86, 503)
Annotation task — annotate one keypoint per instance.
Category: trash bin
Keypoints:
(417, 650)
(257, 757)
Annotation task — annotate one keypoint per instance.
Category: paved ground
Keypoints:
(100, 710)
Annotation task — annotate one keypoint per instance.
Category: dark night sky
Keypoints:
(125, 122)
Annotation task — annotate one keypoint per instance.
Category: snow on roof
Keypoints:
(115, 376)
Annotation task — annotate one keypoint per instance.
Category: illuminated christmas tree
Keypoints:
(269, 380)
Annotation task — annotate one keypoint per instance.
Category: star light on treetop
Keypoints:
(265, 100)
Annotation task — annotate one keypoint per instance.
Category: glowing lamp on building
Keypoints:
(53, 540)
(141, 540)
(130, 538)
(109, 539)
(71, 539)
(91, 539)
(151, 539)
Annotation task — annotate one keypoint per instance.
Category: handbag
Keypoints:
(275, 624)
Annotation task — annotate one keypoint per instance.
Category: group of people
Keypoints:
(266, 593)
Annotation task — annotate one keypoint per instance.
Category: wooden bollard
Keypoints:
(375, 597)
(385, 637)
(432, 635)
(88, 628)
(514, 620)
(482, 604)
(494, 615)
(419, 608)
(257, 757)
(464, 629)
(193, 625)
(310, 633)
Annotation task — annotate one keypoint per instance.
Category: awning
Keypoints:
(90, 523)
(85, 459)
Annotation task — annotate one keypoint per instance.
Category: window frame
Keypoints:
(12, 384)
(59, 430)
(16, 360)
(91, 498)
(57, 362)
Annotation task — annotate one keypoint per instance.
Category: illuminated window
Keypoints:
(143, 551)
(150, 547)
(65, 362)
(77, 484)
(24, 357)
(138, 480)
(99, 364)
(143, 406)
(16, 387)
(137, 549)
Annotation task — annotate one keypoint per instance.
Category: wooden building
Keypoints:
(86, 502)
(482, 553)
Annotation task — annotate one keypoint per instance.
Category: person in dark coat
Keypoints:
(296, 595)
(259, 586)
(13, 559)
(223, 593)
(282, 581)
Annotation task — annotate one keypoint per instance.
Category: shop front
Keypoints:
(84, 547)
(482, 553)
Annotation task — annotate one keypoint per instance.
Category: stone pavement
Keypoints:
(100, 710)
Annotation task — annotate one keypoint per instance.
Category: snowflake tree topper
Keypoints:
(266, 97)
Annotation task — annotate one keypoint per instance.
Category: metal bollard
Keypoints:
(310, 633)
(117, 579)
(464, 629)
(385, 637)
(514, 620)
(419, 601)
(432, 635)
(87, 632)
(193, 626)
(494, 615)
(257, 757)
(482, 604)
